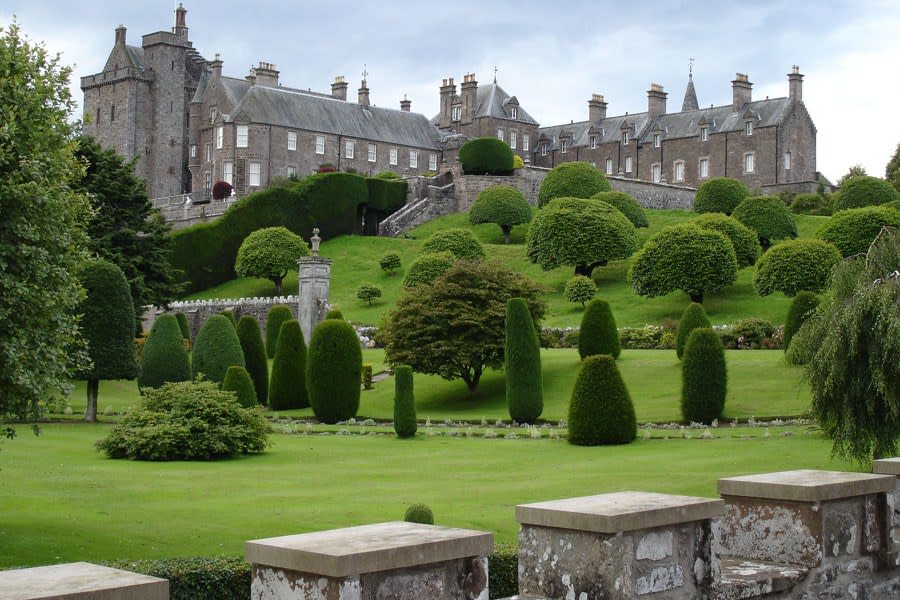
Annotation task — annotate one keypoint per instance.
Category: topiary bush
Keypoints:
(237, 380)
(367, 292)
(742, 238)
(227, 313)
(419, 513)
(720, 194)
(796, 265)
(334, 371)
(426, 268)
(502, 205)
(164, 358)
(250, 336)
(459, 242)
(802, 307)
(895, 204)
(404, 402)
(627, 205)
(853, 230)
(522, 364)
(768, 217)
(572, 180)
(287, 388)
(580, 289)
(864, 190)
(753, 331)
(704, 377)
(334, 314)
(390, 263)
(693, 317)
(808, 204)
(217, 348)
(183, 325)
(486, 156)
(598, 333)
(600, 410)
(277, 315)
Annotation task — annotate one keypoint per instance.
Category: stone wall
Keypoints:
(655, 195)
(198, 311)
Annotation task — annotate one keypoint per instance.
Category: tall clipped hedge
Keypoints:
(287, 388)
(693, 317)
(404, 402)
(217, 347)
(720, 194)
(600, 410)
(768, 217)
(802, 306)
(522, 364)
(743, 239)
(575, 179)
(183, 325)
(251, 340)
(459, 242)
(864, 190)
(627, 205)
(796, 265)
(277, 316)
(334, 371)
(854, 230)
(486, 156)
(386, 196)
(237, 380)
(598, 333)
(164, 358)
(704, 377)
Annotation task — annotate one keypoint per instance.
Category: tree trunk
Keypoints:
(472, 379)
(586, 270)
(698, 297)
(90, 413)
(766, 243)
(277, 281)
(506, 230)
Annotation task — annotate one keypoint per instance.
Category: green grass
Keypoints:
(63, 501)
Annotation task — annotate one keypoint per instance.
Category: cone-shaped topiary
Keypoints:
(598, 333)
(237, 380)
(183, 325)
(522, 364)
(404, 402)
(254, 356)
(802, 306)
(600, 411)
(419, 513)
(164, 357)
(278, 314)
(334, 371)
(228, 313)
(693, 317)
(287, 389)
(704, 377)
(217, 348)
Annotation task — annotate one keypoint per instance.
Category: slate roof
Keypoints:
(491, 100)
(690, 96)
(606, 130)
(136, 54)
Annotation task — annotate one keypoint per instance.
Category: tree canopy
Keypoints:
(795, 265)
(270, 253)
(576, 179)
(503, 205)
(768, 217)
(720, 194)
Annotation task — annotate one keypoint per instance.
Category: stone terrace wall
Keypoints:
(655, 195)
(198, 311)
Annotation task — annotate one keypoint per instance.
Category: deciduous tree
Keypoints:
(270, 253)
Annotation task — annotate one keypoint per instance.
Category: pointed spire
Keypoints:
(690, 94)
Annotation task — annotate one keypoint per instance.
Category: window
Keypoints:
(593, 142)
(255, 169)
(624, 138)
(628, 164)
(456, 113)
(609, 166)
(320, 144)
(207, 183)
(193, 150)
(228, 172)
(513, 138)
(292, 140)
(544, 149)
(678, 170)
(220, 137)
(500, 135)
(787, 161)
(243, 136)
(563, 146)
(213, 113)
(657, 140)
(748, 128)
(413, 159)
(349, 148)
(292, 172)
(748, 162)
(432, 162)
(514, 112)
(525, 142)
(393, 158)
(208, 152)
(372, 153)
(655, 172)
(704, 168)
(704, 134)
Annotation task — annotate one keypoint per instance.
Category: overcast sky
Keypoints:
(551, 55)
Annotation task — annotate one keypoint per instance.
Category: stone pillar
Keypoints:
(401, 561)
(616, 546)
(315, 281)
(891, 466)
(81, 581)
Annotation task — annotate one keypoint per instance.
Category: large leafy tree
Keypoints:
(42, 239)
(503, 205)
(453, 327)
(270, 253)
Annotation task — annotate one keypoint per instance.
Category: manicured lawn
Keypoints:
(63, 501)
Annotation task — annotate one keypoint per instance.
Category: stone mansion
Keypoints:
(188, 125)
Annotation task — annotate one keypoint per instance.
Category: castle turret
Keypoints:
(405, 104)
(180, 28)
(120, 35)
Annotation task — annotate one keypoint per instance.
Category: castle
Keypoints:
(188, 126)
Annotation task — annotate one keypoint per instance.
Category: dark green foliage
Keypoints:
(196, 578)
(743, 239)
(217, 348)
(187, 421)
(802, 307)
(522, 364)
(287, 388)
(367, 376)
(419, 513)
(459, 242)
(598, 333)
(486, 156)
(853, 230)
(277, 315)
(503, 571)
(753, 330)
(720, 194)
(250, 336)
(426, 268)
(334, 371)
(693, 317)
(385, 197)
(334, 314)
(227, 313)
(390, 263)
(863, 190)
(572, 180)
(627, 205)
(808, 204)
(404, 402)
(895, 204)
(580, 289)
(368, 292)
(768, 217)
(683, 257)
(795, 265)
(270, 253)
(237, 380)
(386, 175)
(503, 205)
(164, 358)
(183, 326)
(892, 169)
(704, 377)
(600, 411)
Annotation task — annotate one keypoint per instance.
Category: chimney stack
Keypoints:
(467, 92)
(339, 88)
(795, 84)
(216, 66)
(120, 35)
(741, 89)
(405, 104)
(448, 92)
(180, 21)
(656, 101)
(596, 108)
(266, 75)
(363, 94)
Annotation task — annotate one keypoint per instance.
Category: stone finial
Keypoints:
(314, 241)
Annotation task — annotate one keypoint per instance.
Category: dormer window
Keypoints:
(625, 138)
(704, 134)
(514, 112)
(563, 146)
(544, 149)
(456, 113)
(748, 128)
(593, 142)
(657, 140)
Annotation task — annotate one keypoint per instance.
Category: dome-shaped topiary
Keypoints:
(704, 377)
(250, 336)
(802, 306)
(457, 241)
(598, 333)
(854, 230)
(217, 348)
(287, 388)
(419, 513)
(580, 289)
(743, 239)
(427, 268)
(768, 217)
(522, 364)
(183, 325)
(720, 194)
(573, 180)
(864, 190)
(808, 204)
(404, 402)
(600, 410)
(277, 315)
(627, 205)
(693, 317)
(796, 265)
(334, 371)
(486, 156)
(164, 358)
(237, 380)
(334, 314)
(502, 205)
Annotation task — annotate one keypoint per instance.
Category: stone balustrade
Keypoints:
(80, 581)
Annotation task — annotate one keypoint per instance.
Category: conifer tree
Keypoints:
(287, 388)
(598, 333)
(600, 410)
(250, 337)
(694, 316)
(278, 314)
(217, 348)
(704, 377)
(237, 380)
(522, 364)
(404, 402)
(164, 358)
(334, 371)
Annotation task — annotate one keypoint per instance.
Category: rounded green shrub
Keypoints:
(367, 292)
(802, 306)
(854, 230)
(459, 242)
(390, 263)
(743, 239)
(693, 317)
(522, 364)
(502, 205)
(720, 194)
(575, 179)
(600, 410)
(796, 265)
(334, 371)
(864, 190)
(183, 325)
(768, 217)
(404, 402)
(808, 204)
(419, 513)
(627, 205)
(753, 330)
(334, 314)
(277, 315)
(704, 377)
(217, 348)
(486, 156)
(598, 333)
(250, 336)
(164, 358)
(580, 289)
(426, 268)
(237, 380)
(287, 388)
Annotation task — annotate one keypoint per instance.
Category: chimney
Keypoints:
(363, 94)
(180, 21)
(596, 108)
(216, 66)
(120, 35)
(795, 84)
(656, 101)
(448, 92)
(266, 75)
(339, 88)
(405, 104)
(741, 89)
(467, 93)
